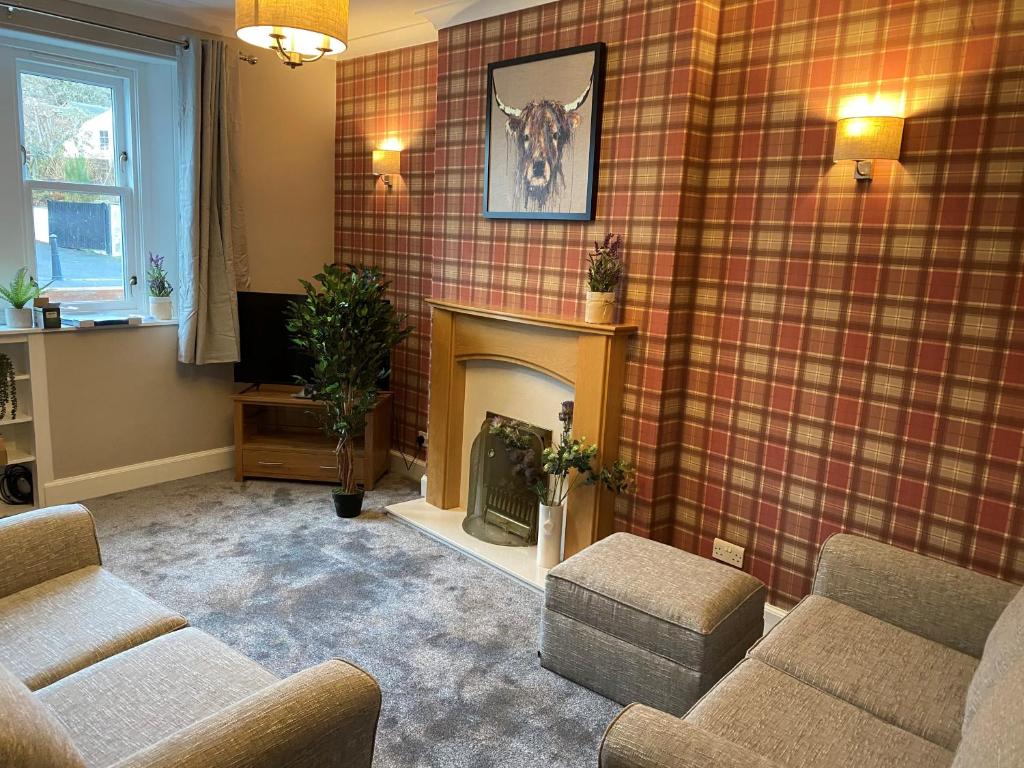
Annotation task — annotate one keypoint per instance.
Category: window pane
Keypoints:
(79, 245)
(67, 129)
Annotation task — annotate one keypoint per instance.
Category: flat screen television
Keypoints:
(267, 353)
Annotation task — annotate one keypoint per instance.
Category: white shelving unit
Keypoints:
(26, 433)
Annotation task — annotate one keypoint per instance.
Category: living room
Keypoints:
(502, 382)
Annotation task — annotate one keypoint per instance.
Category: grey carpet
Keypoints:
(268, 568)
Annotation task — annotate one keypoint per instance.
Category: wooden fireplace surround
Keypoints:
(589, 358)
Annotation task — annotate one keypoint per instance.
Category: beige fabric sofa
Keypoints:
(894, 660)
(94, 673)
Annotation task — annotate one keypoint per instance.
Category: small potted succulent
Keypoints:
(20, 291)
(160, 289)
(604, 272)
(568, 464)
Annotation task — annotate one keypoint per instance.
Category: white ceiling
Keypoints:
(374, 25)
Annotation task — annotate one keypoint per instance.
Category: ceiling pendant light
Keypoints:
(299, 31)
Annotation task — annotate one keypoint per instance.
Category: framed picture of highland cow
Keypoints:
(542, 135)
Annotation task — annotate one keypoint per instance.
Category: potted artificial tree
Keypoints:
(22, 290)
(160, 289)
(348, 328)
(604, 271)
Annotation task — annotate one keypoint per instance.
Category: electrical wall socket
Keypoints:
(421, 438)
(728, 553)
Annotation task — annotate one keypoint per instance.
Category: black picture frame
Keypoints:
(593, 136)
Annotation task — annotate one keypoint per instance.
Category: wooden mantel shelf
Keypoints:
(526, 318)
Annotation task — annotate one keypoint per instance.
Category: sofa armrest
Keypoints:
(642, 737)
(322, 717)
(931, 598)
(44, 544)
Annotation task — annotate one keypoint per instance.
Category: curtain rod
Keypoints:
(12, 7)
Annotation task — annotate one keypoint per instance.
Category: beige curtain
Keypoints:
(213, 262)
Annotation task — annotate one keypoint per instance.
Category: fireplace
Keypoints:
(504, 468)
(589, 360)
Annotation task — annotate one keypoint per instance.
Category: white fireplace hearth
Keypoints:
(445, 525)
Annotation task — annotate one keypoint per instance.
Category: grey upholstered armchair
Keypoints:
(94, 673)
(894, 660)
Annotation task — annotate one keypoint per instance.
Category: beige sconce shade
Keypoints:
(300, 31)
(864, 139)
(385, 163)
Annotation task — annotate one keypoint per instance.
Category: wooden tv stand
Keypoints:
(277, 435)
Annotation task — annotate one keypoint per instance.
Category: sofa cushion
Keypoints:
(778, 717)
(673, 603)
(65, 624)
(30, 736)
(904, 679)
(994, 735)
(1004, 649)
(132, 700)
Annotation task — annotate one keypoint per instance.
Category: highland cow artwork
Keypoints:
(543, 129)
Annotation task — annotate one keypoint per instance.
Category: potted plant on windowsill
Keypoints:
(160, 289)
(568, 464)
(604, 272)
(20, 291)
(348, 328)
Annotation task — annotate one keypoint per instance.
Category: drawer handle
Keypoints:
(327, 467)
(271, 463)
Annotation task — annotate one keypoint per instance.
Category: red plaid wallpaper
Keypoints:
(857, 353)
(815, 355)
(659, 75)
(389, 100)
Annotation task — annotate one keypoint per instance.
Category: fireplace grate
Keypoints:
(502, 504)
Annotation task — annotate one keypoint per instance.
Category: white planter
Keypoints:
(549, 535)
(18, 318)
(160, 307)
(600, 307)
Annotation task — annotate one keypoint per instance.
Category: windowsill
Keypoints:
(147, 322)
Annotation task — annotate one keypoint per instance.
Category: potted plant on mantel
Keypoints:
(22, 290)
(160, 289)
(569, 463)
(348, 328)
(604, 272)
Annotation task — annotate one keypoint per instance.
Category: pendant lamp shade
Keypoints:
(299, 31)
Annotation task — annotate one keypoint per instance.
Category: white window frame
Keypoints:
(146, 88)
(123, 86)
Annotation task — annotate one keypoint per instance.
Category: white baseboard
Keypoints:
(772, 616)
(398, 467)
(67, 490)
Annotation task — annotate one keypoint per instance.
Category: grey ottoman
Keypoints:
(640, 621)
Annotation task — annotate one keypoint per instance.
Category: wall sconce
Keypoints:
(385, 163)
(864, 139)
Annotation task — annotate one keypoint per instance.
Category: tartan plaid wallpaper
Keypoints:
(814, 355)
(857, 353)
(658, 82)
(391, 97)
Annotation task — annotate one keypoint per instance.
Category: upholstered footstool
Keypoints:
(640, 621)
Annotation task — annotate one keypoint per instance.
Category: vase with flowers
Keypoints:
(569, 463)
(604, 273)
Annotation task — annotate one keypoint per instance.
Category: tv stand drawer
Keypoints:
(285, 463)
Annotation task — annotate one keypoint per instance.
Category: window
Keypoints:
(79, 191)
(95, 184)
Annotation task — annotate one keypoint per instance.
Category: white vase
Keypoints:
(549, 535)
(18, 318)
(600, 307)
(160, 307)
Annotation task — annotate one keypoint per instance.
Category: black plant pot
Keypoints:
(348, 504)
